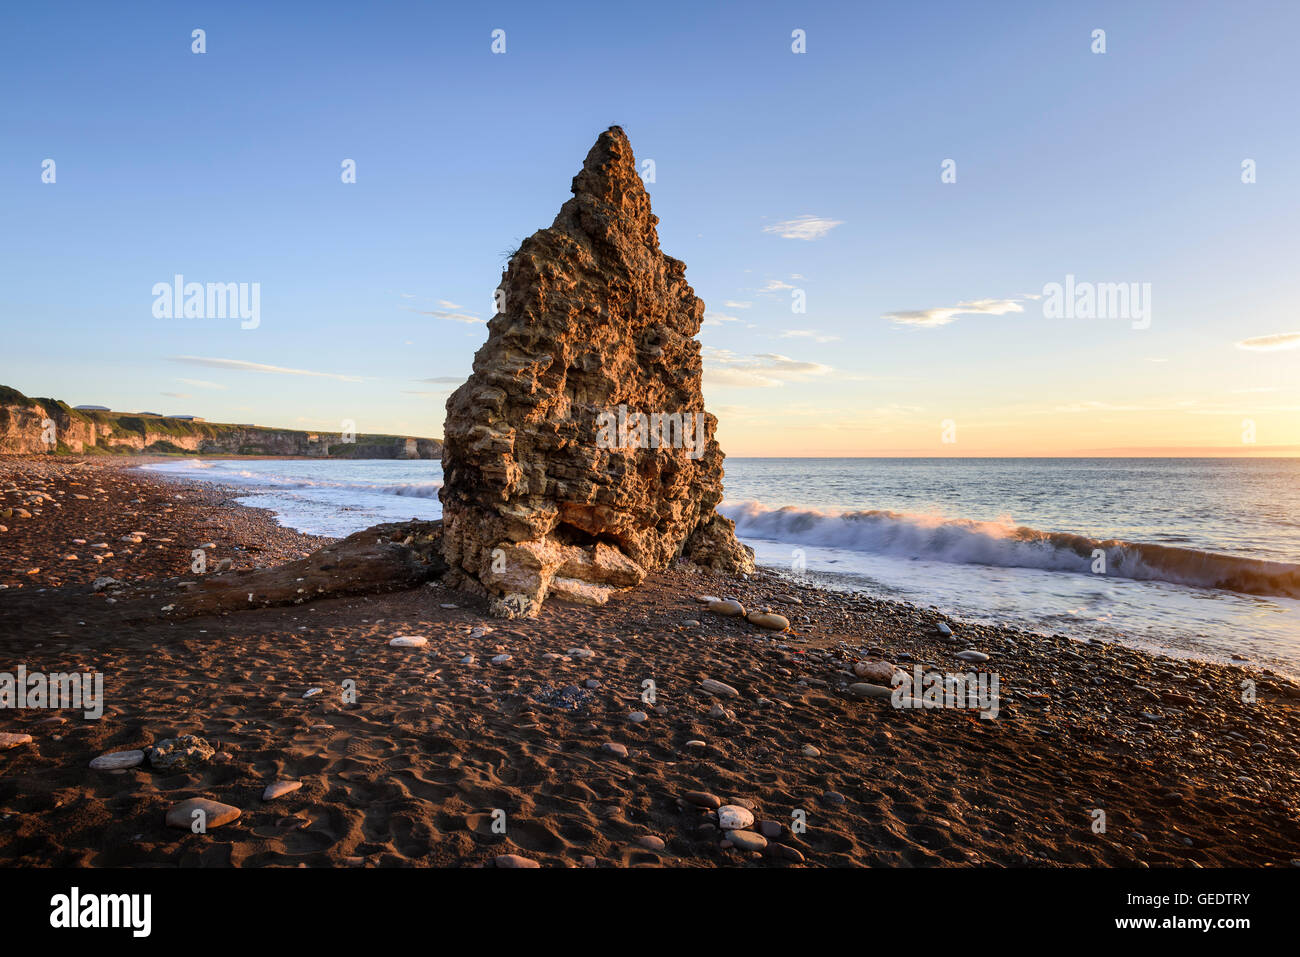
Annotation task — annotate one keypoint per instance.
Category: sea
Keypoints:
(1192, 557)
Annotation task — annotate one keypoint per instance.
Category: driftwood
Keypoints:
(383, 558)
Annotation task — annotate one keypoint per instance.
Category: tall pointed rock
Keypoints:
(578, 455)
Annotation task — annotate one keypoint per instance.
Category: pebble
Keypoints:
(500, 659)
(943, 629)
(771, 829)
(184, 753)
(312, 692)
(833, 797)
(808, 751)
(408, 641)
(614, 748)
(703, 799)
(580, 653)
(728, 607)
(974, 657)
(117, 760)
(217, 814)
(515, 861)
(877, 672)
(650, 842)
(10, 740)
(864, 690)
(747, 840)
(768, 620)
(280, 788)
(636, 717)
(733, 817)
(718, 687)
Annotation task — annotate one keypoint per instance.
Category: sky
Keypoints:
(916, 180)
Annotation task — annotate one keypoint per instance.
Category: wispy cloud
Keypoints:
(201, 384)
(443, 380)
(1100, 406)
(718, 318)
(1273, 343)
(243, 366)
(1245, 412)
(732, 304)
(803, 227)
(452, 311)
(812, 334)
(775, 285)
(942, 315)
(175, 395)
(764, 370)
(453, 316)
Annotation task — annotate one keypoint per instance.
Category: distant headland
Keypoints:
(36, 425)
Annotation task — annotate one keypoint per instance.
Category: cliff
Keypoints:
(24, 430)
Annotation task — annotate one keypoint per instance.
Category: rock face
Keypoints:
(579, 456)
(35, 426)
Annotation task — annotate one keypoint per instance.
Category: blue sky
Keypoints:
(1115, 167)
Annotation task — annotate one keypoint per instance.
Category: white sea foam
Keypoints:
(325, 497)
(1005, 544)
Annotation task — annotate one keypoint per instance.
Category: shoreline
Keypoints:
(1187, 772)
(264, 521)
(1185, 644)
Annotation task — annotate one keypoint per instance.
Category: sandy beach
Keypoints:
(503, 743)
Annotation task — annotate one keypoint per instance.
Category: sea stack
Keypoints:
(578, 456)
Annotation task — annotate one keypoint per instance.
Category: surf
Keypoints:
(1004, 544)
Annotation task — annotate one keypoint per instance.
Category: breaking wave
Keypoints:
(1004, 544)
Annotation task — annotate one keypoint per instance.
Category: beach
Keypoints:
(512, 742)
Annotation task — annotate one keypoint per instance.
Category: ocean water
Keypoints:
(1195, 556)
(334, 497)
